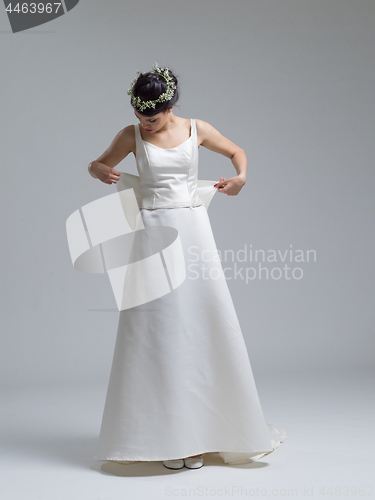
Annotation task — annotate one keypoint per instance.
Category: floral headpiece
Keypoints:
(167, 96)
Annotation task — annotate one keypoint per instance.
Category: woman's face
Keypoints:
(153, 123)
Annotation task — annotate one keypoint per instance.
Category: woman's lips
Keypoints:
(148, 130)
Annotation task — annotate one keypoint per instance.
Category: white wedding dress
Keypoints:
(181, 383)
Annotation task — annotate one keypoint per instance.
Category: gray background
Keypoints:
(289, 81)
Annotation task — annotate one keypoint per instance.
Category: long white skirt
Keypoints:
(181, 382)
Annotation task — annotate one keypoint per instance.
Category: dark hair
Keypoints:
(150, 86)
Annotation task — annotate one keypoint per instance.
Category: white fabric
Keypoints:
(205, 193)
(181, 382)
(171, 182)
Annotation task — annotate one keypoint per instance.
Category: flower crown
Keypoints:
(167, 96)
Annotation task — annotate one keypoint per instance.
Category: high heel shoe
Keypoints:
(194, 462)
(174, 464)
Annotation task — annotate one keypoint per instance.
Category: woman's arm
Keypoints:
(103, 167)
(211, 138)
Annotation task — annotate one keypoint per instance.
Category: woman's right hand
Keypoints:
(103, 172)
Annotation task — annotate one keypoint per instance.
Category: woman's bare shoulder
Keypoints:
(120, 147)
(203, 130)
(203, 127)
(128, 132)
(212, 139)
(126, 138)
(201, 124)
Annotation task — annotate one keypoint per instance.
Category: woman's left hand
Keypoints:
(231, 186)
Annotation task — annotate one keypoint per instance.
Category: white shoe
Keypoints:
(194, 462)
(174, 464)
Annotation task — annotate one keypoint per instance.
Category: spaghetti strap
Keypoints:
(137, 132)
(193, 133)
(139, 146)
(193, 127)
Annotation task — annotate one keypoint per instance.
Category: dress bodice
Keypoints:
(168, 177)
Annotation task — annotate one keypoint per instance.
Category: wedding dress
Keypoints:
(181, 382)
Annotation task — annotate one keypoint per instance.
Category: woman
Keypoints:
(181, 383)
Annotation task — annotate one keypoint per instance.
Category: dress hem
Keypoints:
(142, 459)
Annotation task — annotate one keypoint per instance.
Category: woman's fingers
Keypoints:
(114, 175)
(228, 186)
(111, 176)
(220, 183)
(104, 173)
